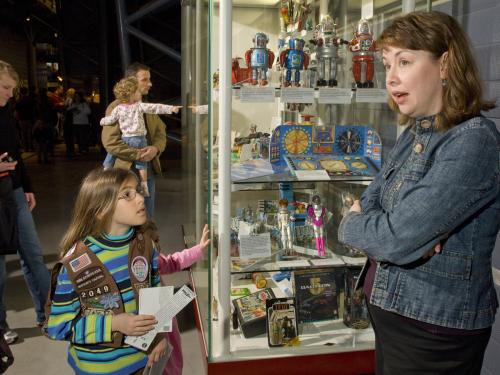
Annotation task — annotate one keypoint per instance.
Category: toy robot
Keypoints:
(327, 43)
(284, 219)
(294, 58)
(316, 215)
(259, 59)
(363, 47)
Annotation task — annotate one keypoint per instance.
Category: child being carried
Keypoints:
(130, 116)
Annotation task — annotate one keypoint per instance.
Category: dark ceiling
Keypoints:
(86, 35)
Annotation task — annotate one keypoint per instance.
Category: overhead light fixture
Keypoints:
(28, 19)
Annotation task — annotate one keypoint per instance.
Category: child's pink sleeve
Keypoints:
(178, 261)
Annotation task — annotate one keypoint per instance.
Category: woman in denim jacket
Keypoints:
(429, 220)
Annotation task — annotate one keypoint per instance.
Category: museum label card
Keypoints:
(297, 95)
(334, 96)
(255, 245)
(257, 94)
(312, 175)
(371, 95)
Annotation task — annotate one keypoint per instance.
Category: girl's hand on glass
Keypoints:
(159, 351)
(133, 325)
(204, 241)
(356, 207)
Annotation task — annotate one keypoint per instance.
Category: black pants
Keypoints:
(403, 348)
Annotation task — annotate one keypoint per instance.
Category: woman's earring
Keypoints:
(444, 82)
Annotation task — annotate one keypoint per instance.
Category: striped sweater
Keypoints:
(85, 333)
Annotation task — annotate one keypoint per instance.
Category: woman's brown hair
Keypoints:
(437, 33)
(95, 205)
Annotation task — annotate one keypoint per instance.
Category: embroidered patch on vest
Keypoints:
(140, 268)
(100, 304)
(80, 263)
(90, 278)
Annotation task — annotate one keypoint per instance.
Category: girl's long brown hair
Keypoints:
(437, 33)
(95, 205)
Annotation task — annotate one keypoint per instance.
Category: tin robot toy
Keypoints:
(363, 47)
(259, 59)
(294, 59)
(317, 216)
(327, 44)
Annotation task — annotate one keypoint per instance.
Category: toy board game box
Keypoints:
(281, 321)
(356, 312)
(251, 312)
(317, 293)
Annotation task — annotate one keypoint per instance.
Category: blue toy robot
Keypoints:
(259, 58)
(294, 58)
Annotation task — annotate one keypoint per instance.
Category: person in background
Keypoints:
(30, 252)
(68, 128)
(429, 220)
(156, 136)
(80, 111)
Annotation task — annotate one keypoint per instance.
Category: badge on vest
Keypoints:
(80, 263)
(102, 305)
(89, 278)
(140, 268)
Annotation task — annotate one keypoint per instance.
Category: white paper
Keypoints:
(170, 308)
(297, 95)
(327, 262)
(357, 261)
(254, 246)
(335, 96)
(151, 300)
(292, 263)
(257, 94)
(371, 95)
(312, 175)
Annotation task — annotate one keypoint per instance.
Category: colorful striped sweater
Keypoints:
(85, 333)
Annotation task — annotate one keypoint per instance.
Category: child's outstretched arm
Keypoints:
(66, 323)
(182, 259)
(112, 118)
(157, 108)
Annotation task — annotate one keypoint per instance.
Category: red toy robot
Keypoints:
(362, 47)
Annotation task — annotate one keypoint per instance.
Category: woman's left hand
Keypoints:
(30, 199)
(356, 207)
(159, 351)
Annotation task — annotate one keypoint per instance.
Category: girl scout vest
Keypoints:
(95, 285)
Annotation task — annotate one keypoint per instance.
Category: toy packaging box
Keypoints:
(281, 321)
(317, 293)
(356, 312)
(251, 312)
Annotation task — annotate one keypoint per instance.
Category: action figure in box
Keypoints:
(317, 216)
(294, 59)
(363, 47)
(327, 43)
(259, 59)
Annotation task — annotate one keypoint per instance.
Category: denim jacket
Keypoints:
(434, 188)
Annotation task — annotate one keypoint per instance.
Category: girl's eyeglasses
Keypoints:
(130, 195)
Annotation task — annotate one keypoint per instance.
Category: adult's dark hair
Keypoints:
(437, 33)
(133, 68)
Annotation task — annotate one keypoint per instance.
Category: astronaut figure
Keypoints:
(294, 59)
(259, 59)
(327, 43)
(316, 215)
(285, 229)
(363, 47)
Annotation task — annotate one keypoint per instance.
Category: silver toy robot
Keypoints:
(284, 225)
(327, 43)
(259, 59)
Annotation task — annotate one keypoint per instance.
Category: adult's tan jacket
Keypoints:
(112, 140)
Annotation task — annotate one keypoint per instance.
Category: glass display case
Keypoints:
(288, 125)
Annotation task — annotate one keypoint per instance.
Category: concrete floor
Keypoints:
(55, 187)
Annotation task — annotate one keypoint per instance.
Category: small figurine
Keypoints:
(294, 58)
(259, 59)
(239, 74)
(363, 47)
(316, 214)
(284, 219)
(327, 43)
